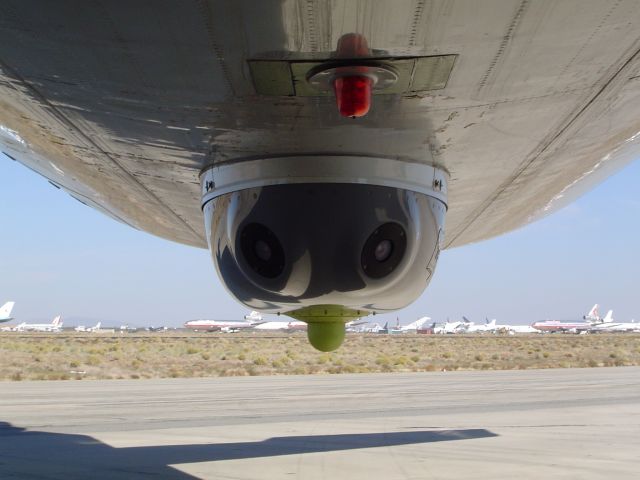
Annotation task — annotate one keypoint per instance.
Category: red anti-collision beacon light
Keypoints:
(353, 76)
(353, 85)
(353, 95)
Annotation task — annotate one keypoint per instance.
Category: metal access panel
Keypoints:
(289, 77)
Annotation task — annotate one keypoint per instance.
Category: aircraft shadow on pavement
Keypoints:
(34, 454)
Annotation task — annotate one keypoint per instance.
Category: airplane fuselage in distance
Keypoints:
(558, 326)
(217, 325)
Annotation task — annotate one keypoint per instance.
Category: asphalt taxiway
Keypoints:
(569, 423)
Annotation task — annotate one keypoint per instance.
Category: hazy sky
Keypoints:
(59, 256)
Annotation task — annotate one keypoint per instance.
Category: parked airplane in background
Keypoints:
(253, 316)
(604, 324)
(258, 324)
(5, 312)
(593, 315)
(54, 326)
(356, 326)
(560, 326)
(518, 328)
(221, 325)
(157, 329)
(374, 328)
(470, 327)
(511, 329)
(491, 326)
(281, 325)
(450, 328)
(631, 326)
(82, 328)
(413, 327)
(608, 318)
(608, 324)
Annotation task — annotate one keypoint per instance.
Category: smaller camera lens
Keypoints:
(383, 250)
(262, 250)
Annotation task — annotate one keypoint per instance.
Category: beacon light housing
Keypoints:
(324, 239)
(353, 85)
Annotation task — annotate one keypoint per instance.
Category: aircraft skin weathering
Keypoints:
(487, 114)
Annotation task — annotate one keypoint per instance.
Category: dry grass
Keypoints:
(69, 356)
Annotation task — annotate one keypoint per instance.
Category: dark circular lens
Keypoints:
(262, 250)
(383, 250)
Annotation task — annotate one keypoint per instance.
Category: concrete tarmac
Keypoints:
(559, 424)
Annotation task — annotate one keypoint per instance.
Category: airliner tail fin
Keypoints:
(593, 313)
(5, 310)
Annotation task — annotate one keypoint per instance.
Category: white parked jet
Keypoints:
(95, 328)
(520, 328)
(631, 326)
(358, 326)
(275, 325)
(54, 326)
(228, 326)
(598, 322)
(470, 327)
(5, 312)
(253, 316)
(591, 318)
(278, 325)
(608, 324)
(413, 327)
(510, 329)
(373, 328)
(450, 328)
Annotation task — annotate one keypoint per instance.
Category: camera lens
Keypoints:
(383, 250)
(262, 250)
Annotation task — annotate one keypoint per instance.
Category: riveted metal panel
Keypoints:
(432, 73)
(289, 77)
(403, 68)
(271, 77)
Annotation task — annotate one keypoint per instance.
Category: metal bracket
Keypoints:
(230, 177)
